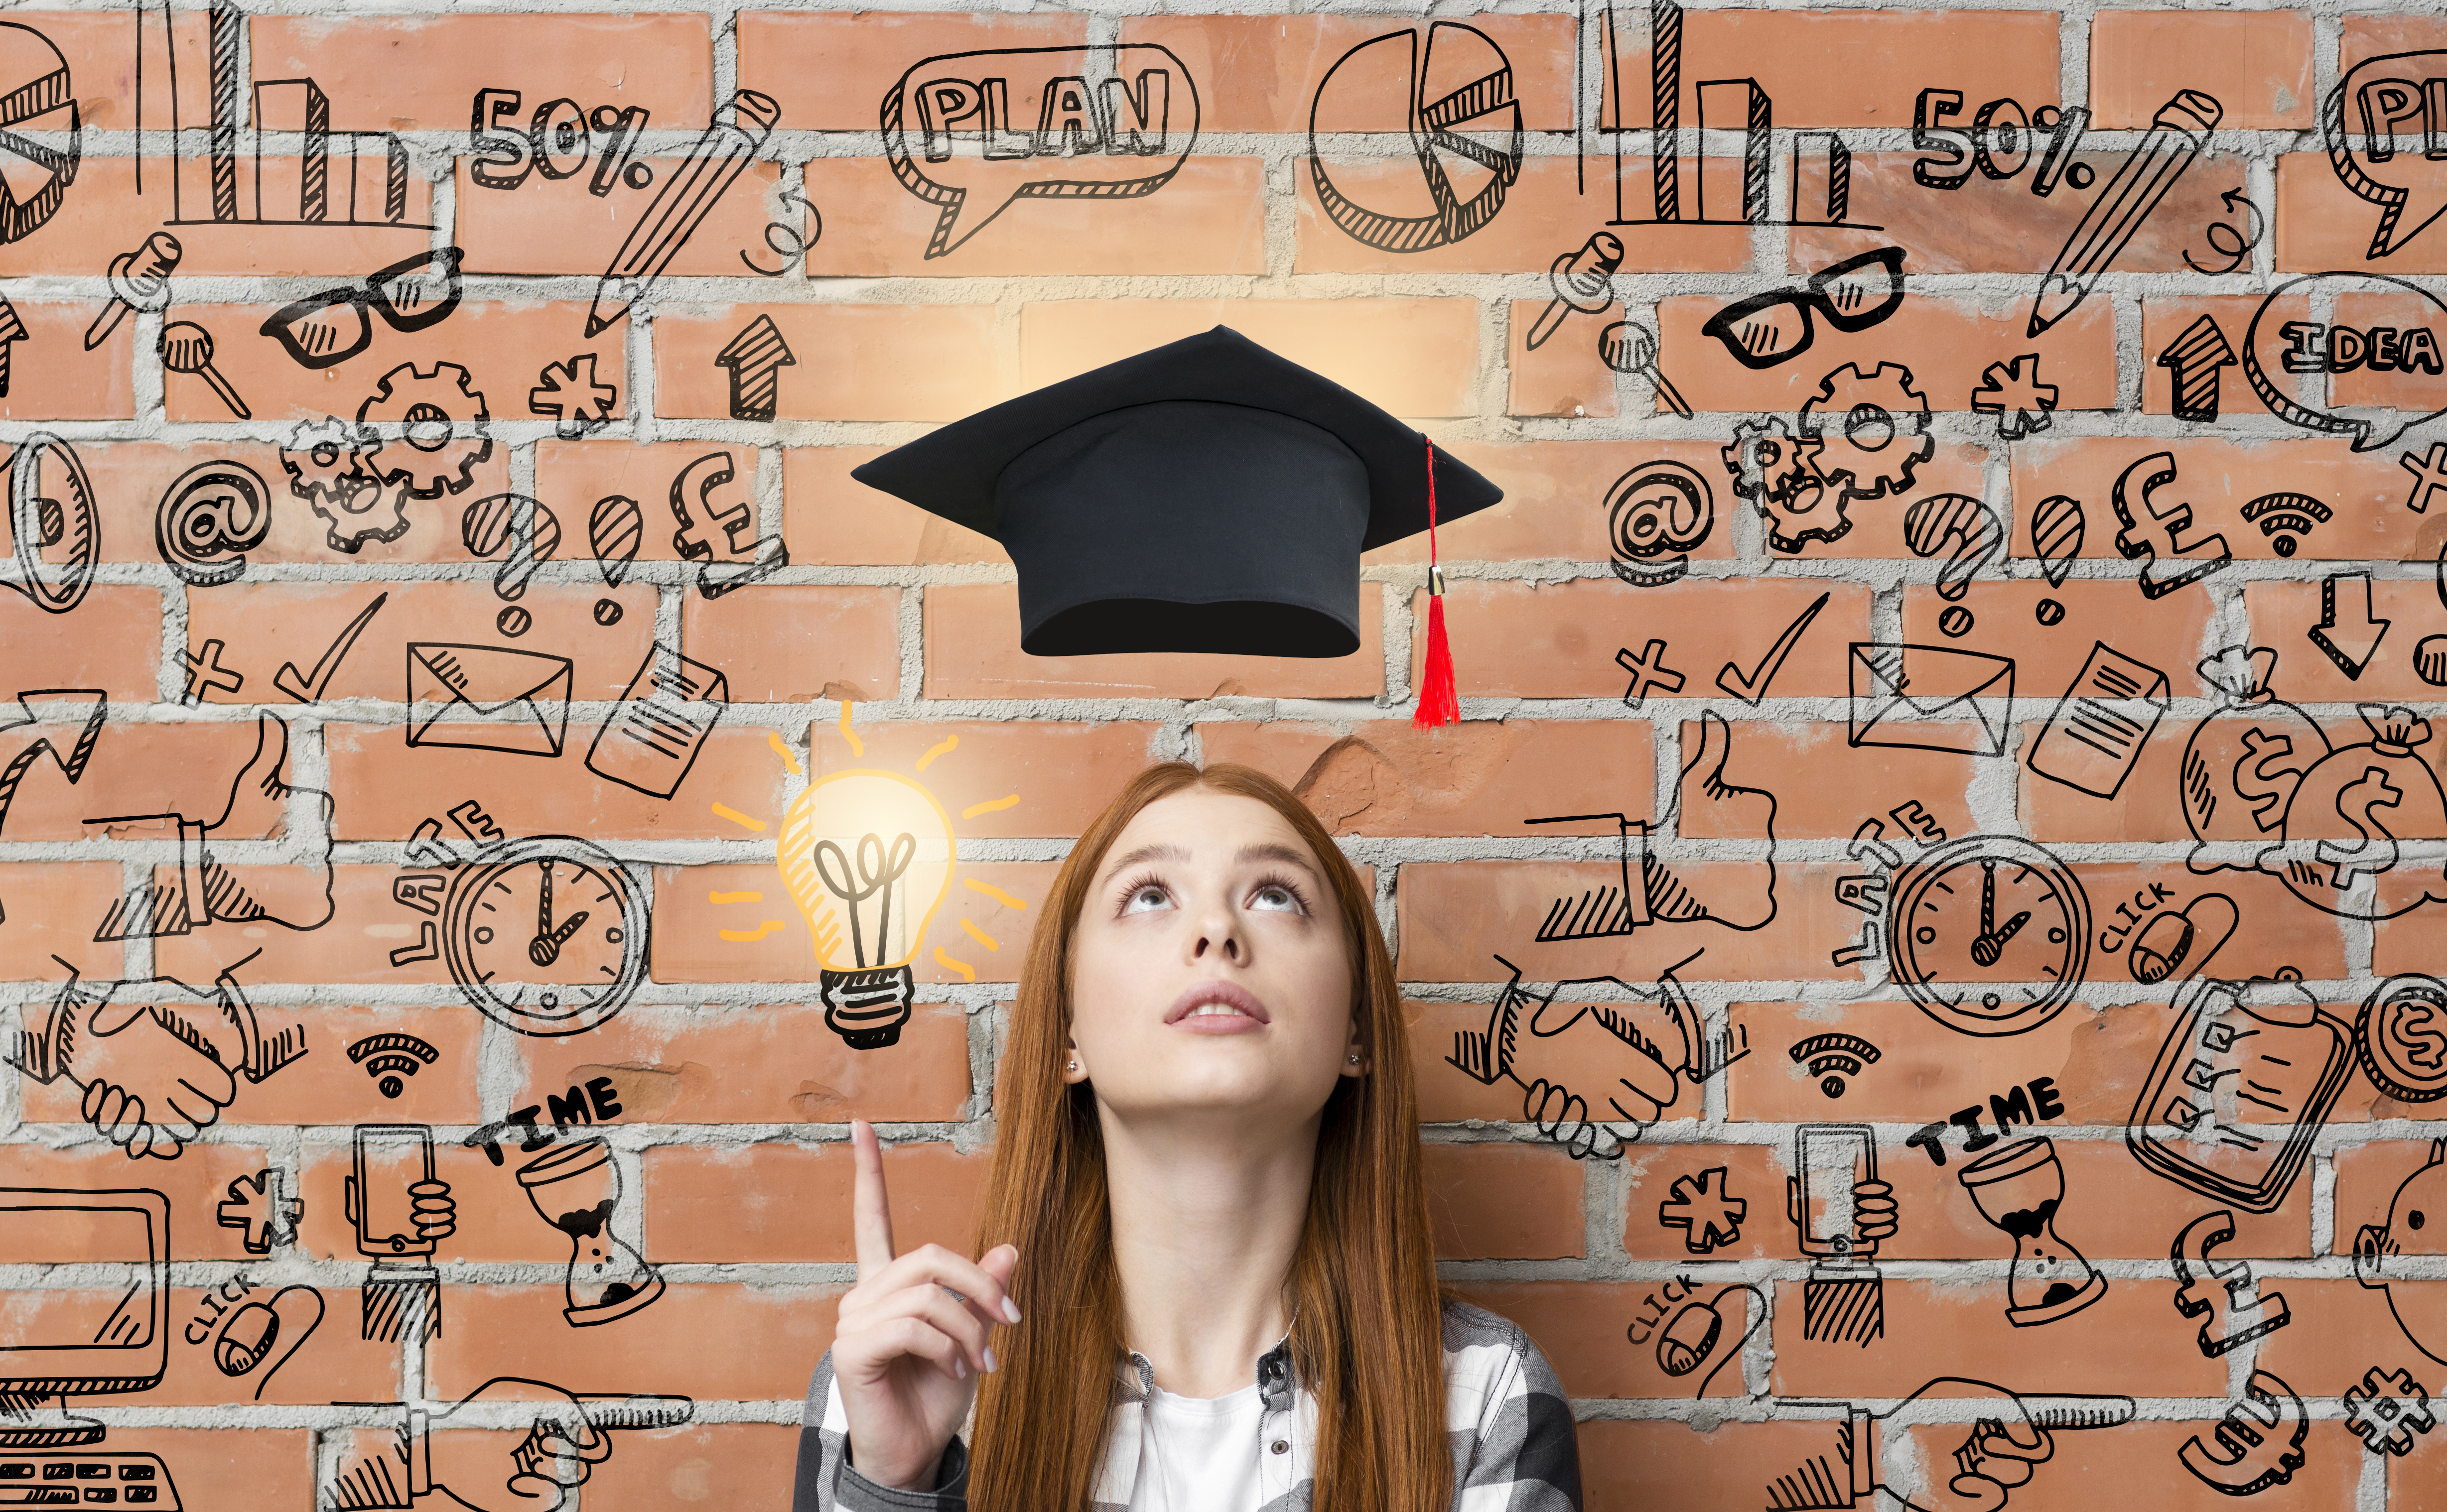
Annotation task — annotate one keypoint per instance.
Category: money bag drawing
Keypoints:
(2347, 813)
(2243, 763)
(2415, 1228)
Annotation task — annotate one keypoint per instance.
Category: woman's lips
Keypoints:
(1246, 1011)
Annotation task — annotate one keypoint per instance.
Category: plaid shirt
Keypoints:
(1513, 1444)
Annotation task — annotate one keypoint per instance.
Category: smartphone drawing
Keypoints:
(390, 1157)
(1831, 1157)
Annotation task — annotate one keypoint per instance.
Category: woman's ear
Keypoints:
(1355, 1059)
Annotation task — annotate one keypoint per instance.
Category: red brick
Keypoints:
(111, 640)
(2364, 492)
(495, 1221)
(194, 1184)
(75, 382)
(1950, 342)
(1209, 218)
(830, 518)
(51, 909)
(425, 70)
(353, 948)
(2258, 65)
(2098, 1059)
(973, 651)
(1417, 358)
(2162, 632)
(559, 226)
(1559, 640)
(2281, 614)
(1583, 1329)
(267, 626)
(2127, 1343)
(780, 1202)
(774, 1064)
(1383, 777)
(1458, 917)
(1845, 782)
(785, 644)
(1565, 377)
(772, 1340)
(1846, 69)
(1261, 72)
(383, 787)
(1554, 502)
(853, 362)
(1503, 1202)
(687, 947)
(1063, 774)
(501, 348)
(828, 69)
(725, 1463)
(2323, 227)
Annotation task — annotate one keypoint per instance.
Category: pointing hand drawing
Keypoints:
(567, 1437)
(1960, 1446)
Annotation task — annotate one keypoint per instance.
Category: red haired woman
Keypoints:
(1204, 1276)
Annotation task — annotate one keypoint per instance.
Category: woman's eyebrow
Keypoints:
(1277, 851)
(1160, 851)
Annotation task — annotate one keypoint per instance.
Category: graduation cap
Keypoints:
(1204, 496)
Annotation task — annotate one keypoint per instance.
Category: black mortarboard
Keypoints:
(1204, 496)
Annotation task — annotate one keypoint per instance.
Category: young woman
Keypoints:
(1205, 1280)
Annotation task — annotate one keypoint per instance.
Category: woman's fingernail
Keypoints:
(1011, 1309)
(960, 1368)
(989, 1359)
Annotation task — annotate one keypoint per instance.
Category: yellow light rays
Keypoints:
(980, 935)
(857, 747)
(948, 745)
(995, 806)
(773, 739)
(968, 973)
(726, 811)
(993, 892)
(750, 936)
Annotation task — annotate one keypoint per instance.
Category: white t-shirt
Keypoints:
(1200, 1454)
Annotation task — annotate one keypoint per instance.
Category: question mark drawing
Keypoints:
(1977, 537)
(530, 530)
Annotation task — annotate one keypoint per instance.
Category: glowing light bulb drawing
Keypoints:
(867, 856)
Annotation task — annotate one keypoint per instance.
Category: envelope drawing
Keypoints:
(1894, 685)
(520, 698)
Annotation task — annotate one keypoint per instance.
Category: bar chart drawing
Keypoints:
(285, 165)
(1726, 191)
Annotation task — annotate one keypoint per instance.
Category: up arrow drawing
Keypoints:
(2346, 631)
(756, 358)
(11, 331)
(2193, 359)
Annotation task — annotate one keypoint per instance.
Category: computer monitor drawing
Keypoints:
(110, 1337)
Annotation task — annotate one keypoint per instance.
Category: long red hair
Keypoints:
(1367, 1335)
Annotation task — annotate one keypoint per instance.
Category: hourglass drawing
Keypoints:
(575, 1188)
(2018, 1188)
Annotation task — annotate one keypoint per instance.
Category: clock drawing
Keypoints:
(545, 935)
(1989, 935)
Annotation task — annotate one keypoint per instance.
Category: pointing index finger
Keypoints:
(870, 1207)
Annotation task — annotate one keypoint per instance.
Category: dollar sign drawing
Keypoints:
(2376, 851)
(2419, 1034)
(2256, 774)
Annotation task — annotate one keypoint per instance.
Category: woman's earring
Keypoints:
(1074, 1066)
(1355, 1059)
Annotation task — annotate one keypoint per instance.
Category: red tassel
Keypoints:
(1437, 703)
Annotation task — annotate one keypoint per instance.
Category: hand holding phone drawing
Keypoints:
(910, 1335)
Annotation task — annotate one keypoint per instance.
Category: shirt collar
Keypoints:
(1275, 1380)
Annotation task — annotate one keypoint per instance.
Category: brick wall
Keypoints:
(889, 640)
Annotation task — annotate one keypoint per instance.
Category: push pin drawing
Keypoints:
(187, 348)
(138, 280)
(1584, 280)
(1629, 348)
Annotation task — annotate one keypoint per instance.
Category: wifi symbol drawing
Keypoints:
(389, 1058)
(1832, 1058)
(2277, 512)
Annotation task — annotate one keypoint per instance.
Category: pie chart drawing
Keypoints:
(34, 96)
(1457, 105)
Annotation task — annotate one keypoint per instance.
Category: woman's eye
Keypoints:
(1143, 899)
(1276, 896)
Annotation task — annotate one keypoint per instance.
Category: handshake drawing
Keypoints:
(1583, 1065)
(158, 1060)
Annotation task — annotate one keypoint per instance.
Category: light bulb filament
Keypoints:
(876, 869)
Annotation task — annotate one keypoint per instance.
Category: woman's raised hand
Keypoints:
(911, 1336)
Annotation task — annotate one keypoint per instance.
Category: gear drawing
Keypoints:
(329, 465)
(439, 418)
(1779, 471)
(1874, 427)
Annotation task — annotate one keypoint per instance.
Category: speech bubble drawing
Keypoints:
(2293, 363)
(1014, 124)
(2396, 107)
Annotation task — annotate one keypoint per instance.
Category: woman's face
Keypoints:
(1209, 970)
